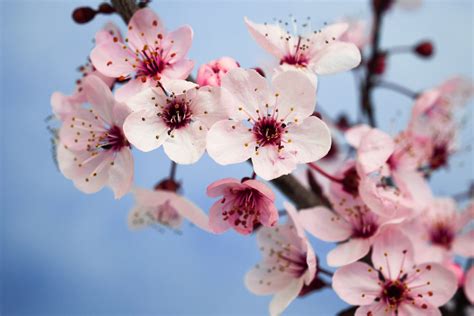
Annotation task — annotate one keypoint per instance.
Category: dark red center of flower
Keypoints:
(268, 131)
(439, 157)
(350, 182)
(295, 60)
(394, 292)
(176, 114)
(442, 235)
(114, 139)
(244, 208)
(151, 64)
(365, 230)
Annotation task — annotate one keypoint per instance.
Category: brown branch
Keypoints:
(125, 8)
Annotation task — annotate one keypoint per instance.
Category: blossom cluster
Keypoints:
(396, 241)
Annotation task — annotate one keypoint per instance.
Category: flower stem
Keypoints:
(324, 173)
(173, 170)
(326, 272)
(397, 88)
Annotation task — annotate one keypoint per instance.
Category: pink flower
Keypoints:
(243, 205)
(272, 126)
(441, 231)
(287, 265)
(356, 33)
(152, 53)
(62, 104)
(390, 184)
(93, 150)
(394, 285)
(164, 208)
(211, 74)
(351, 222)
(320, 52)
(179, 121)
(469, 285)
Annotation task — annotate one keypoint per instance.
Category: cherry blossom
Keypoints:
(210, 74)
(351, 221)
(178, 120)
(150, 54)
(165, 208)
(93, 150)
(272, 126)
(469, 285)
(287, 265)
(320, 52)
(63, 104)
(244, 204)
(394, 285)
(441, 231)
(356, 32)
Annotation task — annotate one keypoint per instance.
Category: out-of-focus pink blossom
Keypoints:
(351, 222)
(441, 231)
(62, 104)
(210, 74)
(166, 208)
(179, 120)
(287, 265)
(272, 126)
(356, 33)
(457, 270)
(243, 205)
(394, 285)
(93, 150)
(150, 54)
(319, 52)
(469, 285)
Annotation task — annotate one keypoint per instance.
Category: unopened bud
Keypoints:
(424, 49)
(106, 8)
(168, 185)
(83, 15)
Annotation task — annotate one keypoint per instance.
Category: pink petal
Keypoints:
(296, 101)
(336, 57)
(216, 222)
(249, 91)
(146, 99)
(324, 224)
(320, 40)
(283, 298)
(463, 244)
(435, 283)
(177, 44)
(356, 283)
(260, 187)
(222, 186)
(98, 94)
(374, 150)
(269, 36)
(63, 105)
(179, 70)
(230, 142)
(375, 309)
(120, 114)
(189, 210)
(78, 126)
(121, 173)
(392, 253)
(130, 89)
(469, 285)
(310, 140)
(348, 252)
(145, 130)
(270, 163)
(144, 28)
(112, 60)
(355, 134)
(205, 105)
(186, 145)
(416, 310)
(261, 282)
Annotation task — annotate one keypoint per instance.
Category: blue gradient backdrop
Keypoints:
(66, 253)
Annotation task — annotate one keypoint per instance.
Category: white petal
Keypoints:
(282, 299)
(145, 130)
(336, 57)
(186, 145)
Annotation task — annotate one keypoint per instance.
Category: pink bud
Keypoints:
(211, 74)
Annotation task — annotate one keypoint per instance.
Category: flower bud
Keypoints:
(83, 15)
(424, 49)
(168, 185)
(378, 65)
(106, 8)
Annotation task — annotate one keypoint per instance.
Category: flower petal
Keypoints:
(230, 142)
(283, 298)
(356, 283)
(271, 37)
(130, 89)
(469, 285)
(355, 134)
(112, 60)
(144, 28)
(98, 94)
(374, 150)
(336, 57)
(179, 70)
(177, 44)
(145, 130)
(220, 187)
(308, 141)
(186, 145)
(296, 95)
(324, 224)
(121, 173)
(463, 244)
(270, 163)
(260, 281)
(217, 224)
(417, 310)
(348, 252)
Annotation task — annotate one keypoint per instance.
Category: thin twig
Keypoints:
(398, 88)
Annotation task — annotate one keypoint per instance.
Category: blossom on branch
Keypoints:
(211, 74)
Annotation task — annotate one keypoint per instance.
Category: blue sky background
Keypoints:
(66, 253)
